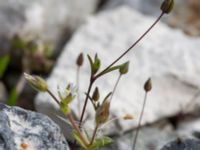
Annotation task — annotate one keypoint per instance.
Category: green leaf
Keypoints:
(78, 139)
(3, 64)
(94, 65)
(91, 62)
(12, 99)
(99, 143)
(110, 70)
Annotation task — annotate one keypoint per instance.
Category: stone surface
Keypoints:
(167, 55)
(189, 128)
(151, 137)
(185, 14)
(149, 7)
(44, 19)
(3, 92)
(21, 129)
(188, 144)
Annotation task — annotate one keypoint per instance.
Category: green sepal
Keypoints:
(64, 107)
(124, 68)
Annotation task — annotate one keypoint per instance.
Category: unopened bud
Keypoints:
(124, 68)
(167, 6)
(148, 85)
(80, 60)
(96, 95)
(36, 82)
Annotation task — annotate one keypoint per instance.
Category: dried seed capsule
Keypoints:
(102, 113)
(96, 95)
(167, 6)
(128, 117)
(148, 85)
(79, 60)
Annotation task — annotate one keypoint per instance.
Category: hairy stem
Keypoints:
(133, 45)
(94, 134)
(139, 123)
(53, 96)
(78, 94)
(115, 87)
(86, 101)
(71, 119)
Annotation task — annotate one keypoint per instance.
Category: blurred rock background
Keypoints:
(44, 37)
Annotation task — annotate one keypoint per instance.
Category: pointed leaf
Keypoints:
(78, 139)
(3, 64)
(12, 99)
(99, 143)
(91, 62)
(110, 70)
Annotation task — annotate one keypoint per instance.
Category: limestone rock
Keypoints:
(20, 128)
(149, 7)
(188, 144)
(167, 55)
(161, 133)
(44, 19)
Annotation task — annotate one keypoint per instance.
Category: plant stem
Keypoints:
(86, 101)
(78, 96)
(71, 119)
(115, 87)
(140, 120)
(133, 45)
(53, 96)
(94, 134)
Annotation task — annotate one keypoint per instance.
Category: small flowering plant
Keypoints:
(102, 109)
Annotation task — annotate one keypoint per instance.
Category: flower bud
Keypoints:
(80, 60)
(167, 6)
(95, 95)
(124, 68)
(148, 85)
(36, 82)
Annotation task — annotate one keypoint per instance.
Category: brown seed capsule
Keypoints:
(167, 6)
(79, 60)
(102, 113)
(148, 85)
(96, 95)
(128, 117)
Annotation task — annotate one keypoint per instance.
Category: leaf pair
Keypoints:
(98, 143)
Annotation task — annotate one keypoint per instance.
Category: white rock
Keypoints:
(149, 7)
(168, 56)
(22, 129)
(46, 19)
(188, 128)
